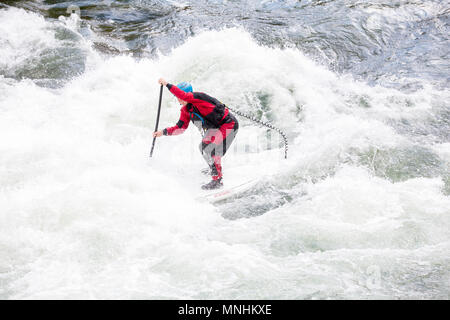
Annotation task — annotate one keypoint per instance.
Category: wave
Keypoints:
(359, 209)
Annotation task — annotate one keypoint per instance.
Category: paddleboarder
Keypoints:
(216, 123)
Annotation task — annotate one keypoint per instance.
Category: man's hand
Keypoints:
(157, 134)
(162, 82)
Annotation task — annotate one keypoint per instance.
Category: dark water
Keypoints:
(378, 41)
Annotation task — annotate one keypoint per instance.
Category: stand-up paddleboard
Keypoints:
(228, 191)
(236, 180)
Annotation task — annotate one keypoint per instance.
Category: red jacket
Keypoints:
(206, 111)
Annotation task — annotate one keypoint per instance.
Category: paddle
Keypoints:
(157, 119)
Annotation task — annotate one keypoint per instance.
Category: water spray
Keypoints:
(266, 124)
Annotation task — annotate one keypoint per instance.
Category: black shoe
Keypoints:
(213, 184)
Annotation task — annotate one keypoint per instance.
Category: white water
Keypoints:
(85, 213)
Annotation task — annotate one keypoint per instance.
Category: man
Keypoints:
(217, 124)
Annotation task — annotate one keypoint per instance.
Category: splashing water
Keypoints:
(360, 209)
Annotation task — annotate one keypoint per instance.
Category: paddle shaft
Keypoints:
(157, 119)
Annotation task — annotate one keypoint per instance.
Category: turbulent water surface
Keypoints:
(360, 209)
